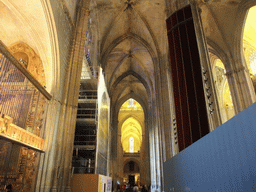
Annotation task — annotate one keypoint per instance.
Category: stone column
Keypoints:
(241, 88)
(154, 121)
(164, 107)
(66, 130)
(47, 160)
(57, 172)
(68, 153)
(146, 158)
(211, 98)
(114, 148)
(151, 127)
(55, 166)
(171, 138)
(77, 56)
(60, 150)
(158, 150)
(110, 131)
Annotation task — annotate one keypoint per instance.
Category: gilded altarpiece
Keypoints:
(22, 108)
(18, 166)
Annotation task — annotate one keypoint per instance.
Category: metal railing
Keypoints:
(88, 94)
(88, 70)
(90, 65)
(92, 143)
(83, 165)
(86, 113)
(136, 154)
(83, 170)
(22, 98)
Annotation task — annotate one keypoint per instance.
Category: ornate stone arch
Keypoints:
(30, 60)
(220, 53)
(119, 103)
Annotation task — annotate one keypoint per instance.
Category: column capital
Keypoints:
(86, 10)
(242, 68)
(193, 2)
(115, 121)
(85, 4)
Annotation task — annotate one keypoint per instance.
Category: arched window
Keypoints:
(131, 102)
(131, 145)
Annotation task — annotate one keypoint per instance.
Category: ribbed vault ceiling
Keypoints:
(127, 49)
(129, 68)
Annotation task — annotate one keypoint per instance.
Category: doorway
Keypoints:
(132, 180)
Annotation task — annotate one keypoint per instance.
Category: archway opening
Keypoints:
(223, 91)
(131, 173)
(228, 103)
(249, 44)
(131, 129)
(131, 143)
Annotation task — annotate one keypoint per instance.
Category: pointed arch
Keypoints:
(238, 35)
(121, 62)
(32, 62)
(120, 102)
(121, 38)
(219, 52)
(130, 116)
(131, 127)
(134, 74)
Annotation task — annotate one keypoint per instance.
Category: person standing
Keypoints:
(118, 188)
(135, 188)
(129, 188)
(144, 189)
(9, 188)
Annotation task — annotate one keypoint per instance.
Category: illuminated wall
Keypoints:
(131, 131)
(131, 127)
(103, 135)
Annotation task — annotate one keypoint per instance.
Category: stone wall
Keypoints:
(64, 29)
(52, 174)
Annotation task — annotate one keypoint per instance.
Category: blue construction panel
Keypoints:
(222, 161)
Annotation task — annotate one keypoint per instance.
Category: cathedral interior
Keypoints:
(99, 95)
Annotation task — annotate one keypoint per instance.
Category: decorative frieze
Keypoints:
(15, 133)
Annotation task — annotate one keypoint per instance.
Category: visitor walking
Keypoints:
(144, 189)
(9, 188)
